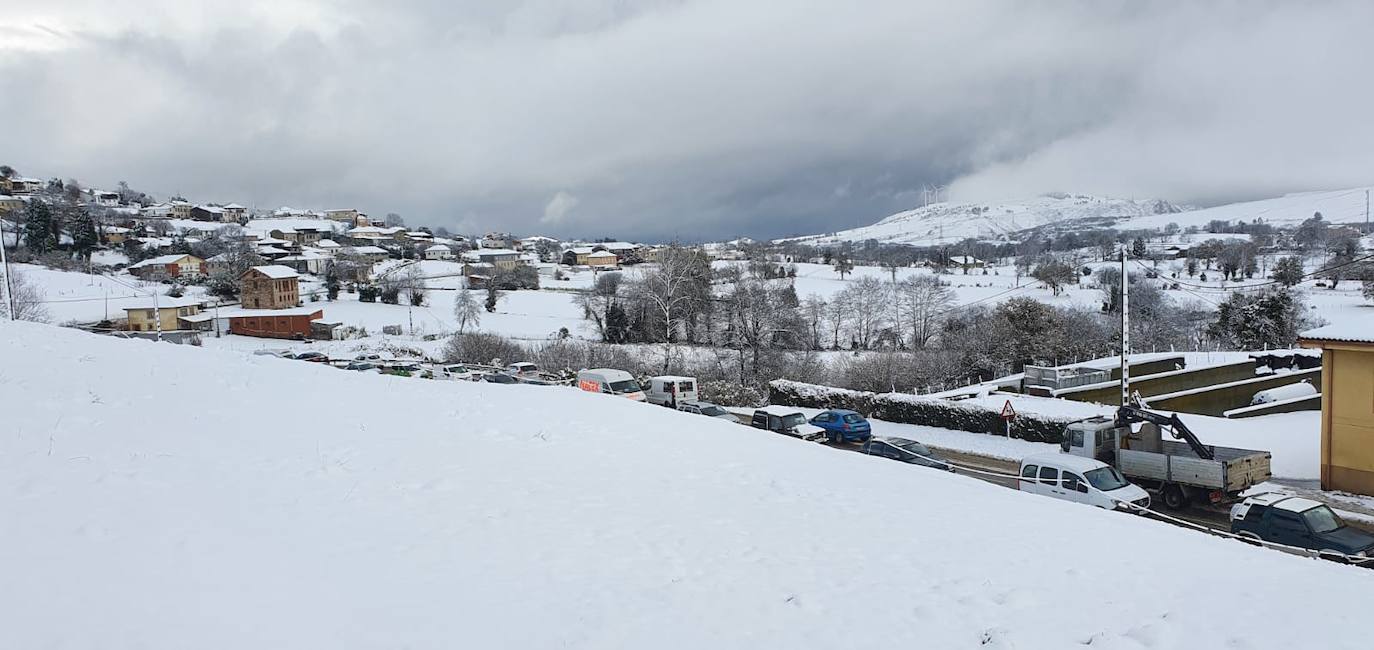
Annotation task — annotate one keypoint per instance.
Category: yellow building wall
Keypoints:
(140, 320)
(1348, 422)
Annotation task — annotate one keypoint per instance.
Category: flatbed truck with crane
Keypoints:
(1180, 473)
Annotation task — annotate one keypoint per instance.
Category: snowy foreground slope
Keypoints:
(155, 496)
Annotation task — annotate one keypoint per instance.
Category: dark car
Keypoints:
(1304, 523)
(314, 357)
(500, 378)
(362, 366)
(907, 451)
(842, 425)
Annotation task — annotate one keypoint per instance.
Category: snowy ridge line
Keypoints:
(1354, 560)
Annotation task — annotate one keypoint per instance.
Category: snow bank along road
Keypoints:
(157, 496)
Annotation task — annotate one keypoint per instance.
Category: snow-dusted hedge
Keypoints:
(914, 409)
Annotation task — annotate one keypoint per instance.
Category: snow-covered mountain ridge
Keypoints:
(1011, 220)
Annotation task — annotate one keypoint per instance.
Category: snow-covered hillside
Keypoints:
(160, 496)
(1336, 206)
(952, 222)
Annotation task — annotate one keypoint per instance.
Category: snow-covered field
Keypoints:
(166, 497)
(70, 296)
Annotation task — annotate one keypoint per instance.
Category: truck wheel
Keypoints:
(1249, 537)
(1174, 497)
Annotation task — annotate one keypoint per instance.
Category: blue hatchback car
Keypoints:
(842, 425)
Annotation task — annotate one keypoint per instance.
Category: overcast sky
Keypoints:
(692, 119)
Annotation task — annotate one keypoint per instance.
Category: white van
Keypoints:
(1068, 477)
(611, 382)
(669, 390)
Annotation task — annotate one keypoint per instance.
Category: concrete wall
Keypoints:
(1138, 369)
(1309, 403)
(1216, 400)
(1157, 366)
(1165, 382)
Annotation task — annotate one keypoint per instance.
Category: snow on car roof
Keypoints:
(779, 410)
(674, 378)
(1066, 461)
(1296, 504)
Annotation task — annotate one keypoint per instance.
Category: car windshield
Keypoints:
(853, 418)
(1106, 479)
(915, 448)
(627, 386)
(793, 420)
(713, 411)
(1322, 520)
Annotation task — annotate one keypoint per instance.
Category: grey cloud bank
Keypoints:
(692, 119)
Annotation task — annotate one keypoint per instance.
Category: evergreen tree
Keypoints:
(1288, 271)
(84, 236)
(1138, 248)
(492, 296)
(617, 324)
(1248, 321)
(38, 221)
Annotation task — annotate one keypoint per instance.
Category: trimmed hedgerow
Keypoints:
(914, 409)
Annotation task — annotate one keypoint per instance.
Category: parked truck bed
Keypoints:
(1233, 470)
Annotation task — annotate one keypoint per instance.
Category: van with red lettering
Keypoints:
(611, 382)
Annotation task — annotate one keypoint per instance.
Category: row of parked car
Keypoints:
(1295, 522)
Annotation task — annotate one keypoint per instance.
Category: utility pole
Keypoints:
(1125, 332)
(1366, 210)
(157, 316)
(7, 291)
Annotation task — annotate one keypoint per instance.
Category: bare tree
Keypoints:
(836, 316)
(669, 288)
(1054, 274)
(843, 264)
(922, 300)
(867, 298)
(413, 285)
(466, 310)
(26, 297)
(813, 311)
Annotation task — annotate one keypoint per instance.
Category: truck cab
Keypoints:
(1300, 522)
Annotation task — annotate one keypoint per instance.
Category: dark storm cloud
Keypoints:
(693, 118)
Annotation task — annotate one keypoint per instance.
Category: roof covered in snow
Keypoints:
(1348, 330)
(276, 271)
(163, 302)
(159, 260)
